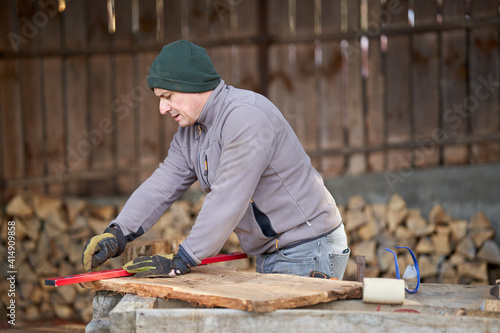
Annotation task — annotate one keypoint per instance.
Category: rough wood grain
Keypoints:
(215, 286)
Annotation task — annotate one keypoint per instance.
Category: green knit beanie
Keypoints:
(183, 67)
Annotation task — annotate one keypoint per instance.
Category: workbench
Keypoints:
(434, 308)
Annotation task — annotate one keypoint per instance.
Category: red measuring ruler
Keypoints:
(119, 272)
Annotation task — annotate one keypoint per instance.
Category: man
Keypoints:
(259, 180)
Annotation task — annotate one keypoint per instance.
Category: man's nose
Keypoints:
(164, 107)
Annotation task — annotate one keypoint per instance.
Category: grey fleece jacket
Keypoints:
(259, 180)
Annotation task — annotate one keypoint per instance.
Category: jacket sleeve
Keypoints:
(150, 200)
(246, 150)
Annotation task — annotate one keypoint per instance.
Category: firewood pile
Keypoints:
(50, 234)
(448, 250)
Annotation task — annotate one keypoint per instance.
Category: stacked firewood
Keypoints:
(50, 234)
(448, 250)
(49, 238)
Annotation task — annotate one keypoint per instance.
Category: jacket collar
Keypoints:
(211, 108)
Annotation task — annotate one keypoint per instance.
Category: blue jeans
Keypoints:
(328, 254)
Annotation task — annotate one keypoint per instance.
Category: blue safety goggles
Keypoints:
(411, 271)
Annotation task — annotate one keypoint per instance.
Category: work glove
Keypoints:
(102, 247)
(159, 265)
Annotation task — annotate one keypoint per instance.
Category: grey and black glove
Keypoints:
(103, 247)
(159, 265)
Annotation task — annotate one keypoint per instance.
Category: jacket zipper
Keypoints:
(204, 167)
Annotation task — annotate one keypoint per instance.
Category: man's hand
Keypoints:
(159, 265)
(102, 247)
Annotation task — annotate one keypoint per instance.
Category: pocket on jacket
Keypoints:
(211, 158)
(263, 222)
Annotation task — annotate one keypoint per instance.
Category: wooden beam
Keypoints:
(216, 320)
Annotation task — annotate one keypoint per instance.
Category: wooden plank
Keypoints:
(300, 320)
(149, 120)
(304, 17)
(197, 19)
(453, 11)
(101, 131)
(425, 12)
(484, 9)
(248, 78)
(354, 93)
(55, 129)
(12, 38)
(247, 18)
(398, 83)
(431, 298)
(395, 13)
(330, 107)
(242, 290)
(223, 62)
(147, 23)
(277, 16)
(303, 98)
(330, 16)
(123, 36)
(75, 24)
(425, 86)
(483, 88)
(33, 120)
(454, 82)
(375, 91)
(173, 25)
(127, 98)
(50, 29)
(98, 34)
(220, 15)
(76, 104)
(12, 125)
(398, 96)
(28, 15)
(122, 317)
(280, 82)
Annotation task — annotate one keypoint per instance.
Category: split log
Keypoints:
(428, 266)
(367, 249)
(458, 229)
(441, 244)
(106, 213)
(438, 215)
(368, 230)
(481, 235)
(55, 224)
(44, 206)
(74, 208)
(467, 248)
(424, 246)
(448, 273)
(396, 212)
(356, 203)
(415, 221)
(18, 207)
(480, 221)
(489, 252)
(355, 219)
(473, 270)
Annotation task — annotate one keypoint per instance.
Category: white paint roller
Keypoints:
(383, 291)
